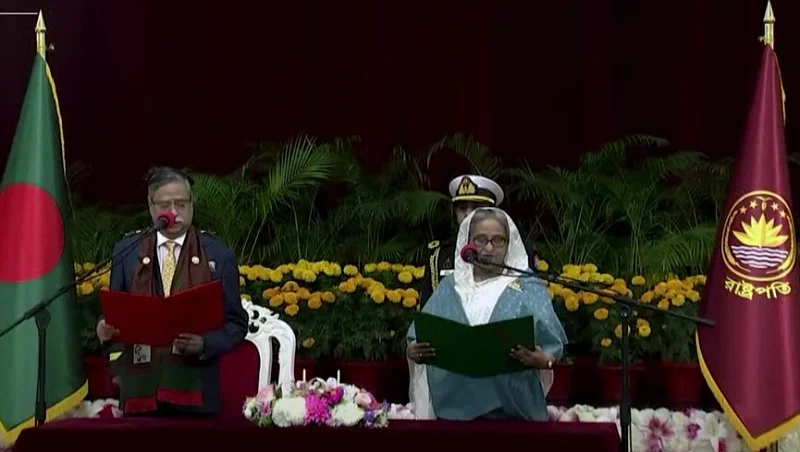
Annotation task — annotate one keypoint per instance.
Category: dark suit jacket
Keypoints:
(215, 342)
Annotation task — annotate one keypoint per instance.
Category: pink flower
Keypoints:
(266, 395)
(334, 396)
(266, 409)
(364, 400)
(316, 411)
(691, 431)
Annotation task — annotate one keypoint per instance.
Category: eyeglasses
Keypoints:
(497, 241)
(179, 205)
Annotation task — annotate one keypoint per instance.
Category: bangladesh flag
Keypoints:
(35, 261)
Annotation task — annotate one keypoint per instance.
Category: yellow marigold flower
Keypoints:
(647, 297)
(661, 288)
(350, 270)
(571, 271)
(693, 295)
(303, 293)
(87, 267)
(663, 304)
(572, 303)
(601, 314)
(618, 331)
(290, 298)
(290, 286)
(79, 268)
(674, 284)
(383, 266)
(241, 281)
(275, 276)
(327, 297)
(567, 292)
(276, 300)
(418, 272)
(641, 322)
(302, 263)
(247, 297)
(671, 294)
(394, 296)
(367, 282)
(347, 286)
(700, 279)
(584, 277)
(605, 278)
(644, 331)
(85, 288)
(589, 298)
(269, 293)
(369, 268)
(557, 288)
(638, 280)
(607, 300)
(308, 342)
(552, 294)
(378, 296)
(687, 285)
(262, 273)
(292, 310)
(412, 293)
(542, 265)
(605, 342)
(397, 268)
(284, 269)
(589, 268)
(678, 300)
(409, 302)
(314, 303)
(405, 277)
(333, 270)
(595, 278)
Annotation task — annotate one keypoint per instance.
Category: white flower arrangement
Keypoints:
(316, 402)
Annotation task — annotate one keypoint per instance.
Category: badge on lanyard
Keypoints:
(141, 354)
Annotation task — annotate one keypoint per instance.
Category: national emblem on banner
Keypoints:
(759, 246)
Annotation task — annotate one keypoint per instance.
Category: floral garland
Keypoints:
(316, 402)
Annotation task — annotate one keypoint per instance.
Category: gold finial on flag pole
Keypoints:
(769, 26)
(41, 44)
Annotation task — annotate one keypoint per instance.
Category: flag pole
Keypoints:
(769, 26)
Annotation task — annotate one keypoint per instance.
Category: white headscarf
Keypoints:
(480, 298)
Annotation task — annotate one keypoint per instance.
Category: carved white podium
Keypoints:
(263, 325)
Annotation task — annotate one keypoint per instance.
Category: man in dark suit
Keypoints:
(183, 378)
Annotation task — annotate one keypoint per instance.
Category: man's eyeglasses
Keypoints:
(497, 241)
(179, 204)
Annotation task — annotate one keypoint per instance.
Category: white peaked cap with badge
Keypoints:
(470, 187)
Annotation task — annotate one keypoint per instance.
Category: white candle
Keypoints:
(304, 375)
(338, 376)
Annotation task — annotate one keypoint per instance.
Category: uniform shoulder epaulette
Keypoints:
(433, 245)
(128, 234)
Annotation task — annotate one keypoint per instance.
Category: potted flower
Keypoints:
(674, 339)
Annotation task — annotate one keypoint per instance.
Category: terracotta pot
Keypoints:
(386, 380)
(683, 385)
(610, 378)
(98, 375)
(561, 391)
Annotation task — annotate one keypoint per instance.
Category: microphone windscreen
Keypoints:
(469, 253)
(167, 217)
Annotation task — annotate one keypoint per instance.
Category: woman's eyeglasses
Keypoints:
(497, 241)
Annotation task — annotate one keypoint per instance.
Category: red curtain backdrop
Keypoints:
(188, 83)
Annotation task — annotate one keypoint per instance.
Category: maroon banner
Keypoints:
(751, 357)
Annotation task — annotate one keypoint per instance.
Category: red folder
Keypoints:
(146, 320)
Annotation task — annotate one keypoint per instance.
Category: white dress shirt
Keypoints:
(161, 242)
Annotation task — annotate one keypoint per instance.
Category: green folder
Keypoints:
(475, 351)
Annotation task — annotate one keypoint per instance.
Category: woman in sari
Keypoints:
(477, 294)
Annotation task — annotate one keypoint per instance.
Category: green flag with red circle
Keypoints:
(35, 262)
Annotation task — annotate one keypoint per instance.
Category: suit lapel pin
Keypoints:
(195, 260)
(212, 265)
(146, 260)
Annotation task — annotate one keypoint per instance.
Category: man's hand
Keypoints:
(420, 352)
(189, 344)
(536, 359)
(105, 331)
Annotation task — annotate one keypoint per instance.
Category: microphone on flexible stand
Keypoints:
(41, 315)
(470, 254)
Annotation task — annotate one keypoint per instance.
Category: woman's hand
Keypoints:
(420, 352)
(536, 359)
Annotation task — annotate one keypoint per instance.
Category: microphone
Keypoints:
(469, 253)
(165, 220)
